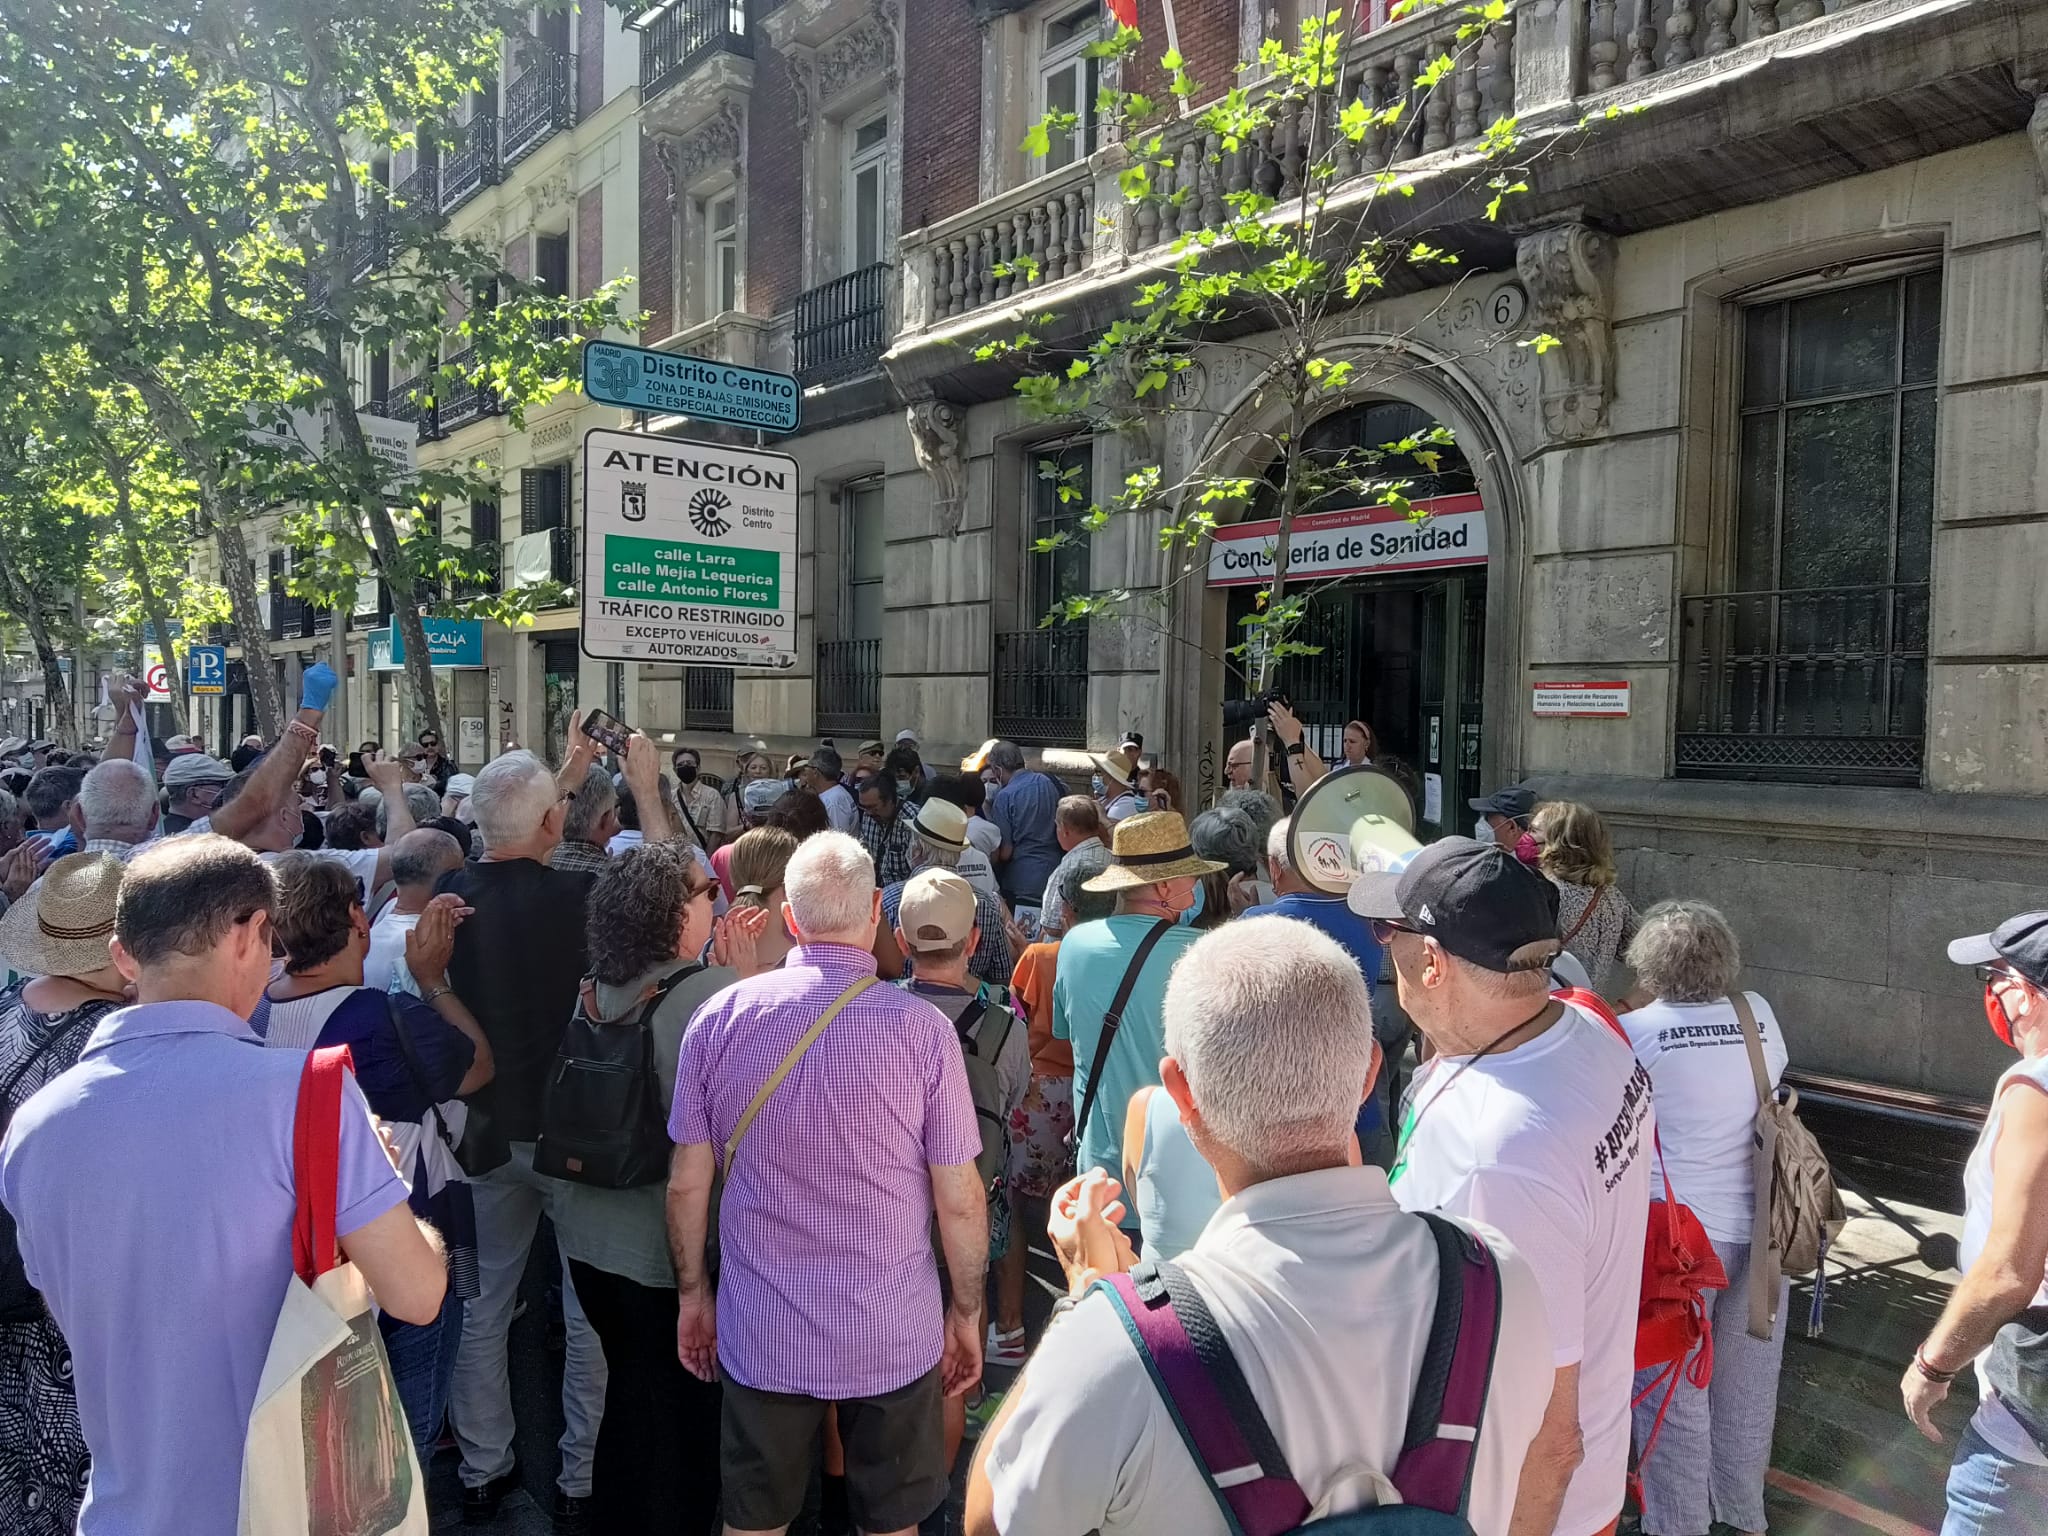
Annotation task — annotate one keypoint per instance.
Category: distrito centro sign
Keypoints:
(689, 552)
(674, 383)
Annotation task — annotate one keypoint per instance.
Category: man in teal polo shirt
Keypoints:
(152, 1190)
(1154, 871)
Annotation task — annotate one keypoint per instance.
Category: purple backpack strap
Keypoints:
(1444, 1417)
(1239, 1458)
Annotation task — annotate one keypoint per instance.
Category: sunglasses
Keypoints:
(1384, 929)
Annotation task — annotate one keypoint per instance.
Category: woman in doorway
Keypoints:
(1594, 919)
(44, 1024)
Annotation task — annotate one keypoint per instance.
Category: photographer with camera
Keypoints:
(1304, 767)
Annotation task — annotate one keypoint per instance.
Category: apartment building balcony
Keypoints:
(704, 45)
(410, 400)
(1631, 115)
(472, 164)
(458, 401)
(418, 196)
(731, 337)
(842, 326)
(370, 250)
(538, 105)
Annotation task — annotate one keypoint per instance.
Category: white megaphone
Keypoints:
(1351, 822)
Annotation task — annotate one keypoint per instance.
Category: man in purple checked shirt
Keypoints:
(839, 1110)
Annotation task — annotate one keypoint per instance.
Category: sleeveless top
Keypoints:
(1177, 1192)
(1992, 1421)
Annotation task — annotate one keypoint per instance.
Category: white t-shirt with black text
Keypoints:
(1706, 1103)
(1550, 1143)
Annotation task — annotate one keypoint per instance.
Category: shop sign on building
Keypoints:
(689, 552)
(1356, 541)
(1594, 701)
(450, 643)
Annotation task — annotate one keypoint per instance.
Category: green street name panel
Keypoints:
(689, 552)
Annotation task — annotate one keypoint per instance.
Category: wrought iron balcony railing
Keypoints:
(1823, 686)
(472, 164)
(842, 326)
(538, 105)
(687, 33)
(1040, 686)
(849, 687)
(458, 402)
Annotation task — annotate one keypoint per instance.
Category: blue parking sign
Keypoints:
(207, 668)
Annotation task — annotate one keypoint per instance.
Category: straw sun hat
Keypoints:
(64, 931)
(1119, 765)
(1148, 848)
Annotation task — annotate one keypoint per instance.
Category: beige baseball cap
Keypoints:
(936, 910)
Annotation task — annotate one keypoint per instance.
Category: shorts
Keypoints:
(1039, 1128)
(896, 1471)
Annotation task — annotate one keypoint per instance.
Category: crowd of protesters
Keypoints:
(885, 1025)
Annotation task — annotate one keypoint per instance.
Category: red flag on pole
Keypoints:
(1125, 12)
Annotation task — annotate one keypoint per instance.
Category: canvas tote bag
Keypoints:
(328, 1452)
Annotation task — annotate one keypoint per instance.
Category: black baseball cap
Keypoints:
(1515, 802)
(2021, 942)
(1476, 899)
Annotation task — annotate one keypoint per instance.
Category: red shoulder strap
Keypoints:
(316, 1160)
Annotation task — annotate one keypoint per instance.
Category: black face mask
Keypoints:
(687, 773)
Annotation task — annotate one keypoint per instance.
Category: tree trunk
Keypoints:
(393, 566)
(181, 431)
(240, 581)
(24, 598)
(152, 604)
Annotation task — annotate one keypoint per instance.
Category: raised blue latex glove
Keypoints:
(316, 686)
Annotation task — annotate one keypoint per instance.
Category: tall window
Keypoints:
(866, 191)
(1813, 667)
(1069, 81)
(865, 550)
(1061, 488)
(722, 253)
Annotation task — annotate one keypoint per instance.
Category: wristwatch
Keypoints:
(1296, 748)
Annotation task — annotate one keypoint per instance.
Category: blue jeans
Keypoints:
(422, 1364)
(1990, 1494)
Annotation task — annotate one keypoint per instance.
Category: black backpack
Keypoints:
(602, 1120)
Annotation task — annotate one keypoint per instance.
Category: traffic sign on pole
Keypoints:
(644, 379)
(156, 675)
(689, 552)
(206, 668)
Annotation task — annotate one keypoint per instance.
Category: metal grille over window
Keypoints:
(1814, 667)
(1040, 685)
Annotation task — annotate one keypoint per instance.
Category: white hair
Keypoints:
(830, 886)
(514, 791)
(1271, 1021)
(1685, 952)
(118, 798)
(420, 799)
(1276, 846)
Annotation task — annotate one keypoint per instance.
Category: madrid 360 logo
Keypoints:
(707, 513)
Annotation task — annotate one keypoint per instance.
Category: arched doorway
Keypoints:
(1396, 608)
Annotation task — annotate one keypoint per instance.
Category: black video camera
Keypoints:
(1239, 713)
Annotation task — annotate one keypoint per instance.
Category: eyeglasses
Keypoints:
(1384, 929)
(1994, 972)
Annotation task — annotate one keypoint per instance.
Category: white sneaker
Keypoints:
(1004, 1349)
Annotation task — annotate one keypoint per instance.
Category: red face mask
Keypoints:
(1527, 849)
(1994, 1012)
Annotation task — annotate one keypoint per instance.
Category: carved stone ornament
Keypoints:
(935, 428)
(552, 434)
(862, 52)
(1569, 272)
(549, 192)
(714, 145)
(802, 64)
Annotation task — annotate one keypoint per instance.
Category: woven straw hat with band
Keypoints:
(1119, 765)
(942, 823)
(64, 931)
(1148, 848)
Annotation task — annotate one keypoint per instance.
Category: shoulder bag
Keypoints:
(1112, 1021)
(796, 1054)
(1798, 1210)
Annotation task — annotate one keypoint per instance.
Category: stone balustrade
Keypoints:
(1040, 232)
(1625, 40)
